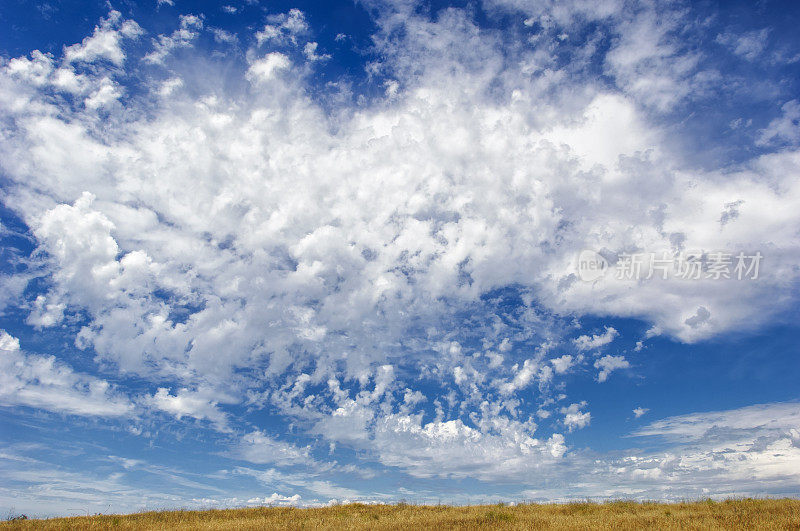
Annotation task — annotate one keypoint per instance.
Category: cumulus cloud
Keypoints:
(608, 364)
(453, 449)
(574, 417)
(596, 341)
(525, 374)
(562, 365)
(105, 42)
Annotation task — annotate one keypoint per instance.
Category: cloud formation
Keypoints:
(392, 274)
(42, 382)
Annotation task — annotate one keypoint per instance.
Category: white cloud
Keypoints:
(310, 51)
(749, 45)
(190, 26)
(651, 57)
(639, 411)
(283, 27)
(266, 68)
(187, 403)
(476, 237)
(741, 452)
(777, 418)
(257, 447)
(530, 369)
(785, 128)
(651, 61)
(222, 36)
(275, 499)
(607, 364)
(595, 341)
(8, 342)
(564, 363)
(45, 314)
(43, 382)
(574, 418)
(107, 93)
(453, 449)
(170, 86)
(56, 479)
(105, 42)
(588, 138)
(324, 488)
(245, 245)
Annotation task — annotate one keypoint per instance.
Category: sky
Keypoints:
(304, 253)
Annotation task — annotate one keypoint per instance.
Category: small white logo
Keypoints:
(591, 265)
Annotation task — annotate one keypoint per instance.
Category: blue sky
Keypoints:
(300, 253)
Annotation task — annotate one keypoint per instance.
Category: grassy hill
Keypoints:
(732, 514)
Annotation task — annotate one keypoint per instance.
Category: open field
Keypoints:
(731, 514)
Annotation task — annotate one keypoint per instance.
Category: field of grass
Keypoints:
(732, 514)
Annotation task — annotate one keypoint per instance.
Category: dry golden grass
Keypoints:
(732, 514)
